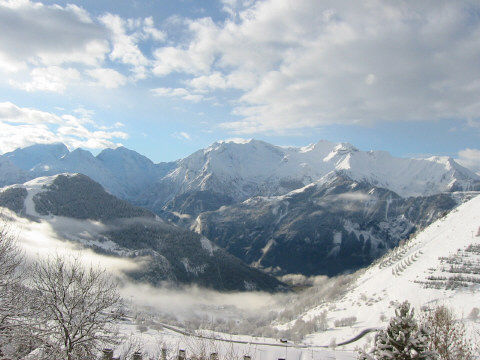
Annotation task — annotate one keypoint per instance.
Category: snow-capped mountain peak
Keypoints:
(235, 170)
(29, 157)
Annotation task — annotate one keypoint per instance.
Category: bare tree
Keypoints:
(14, 302)
(78, 308)
(10, 275)
(448, 336)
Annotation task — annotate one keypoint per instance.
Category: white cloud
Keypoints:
(85, 114)
(40, 39)
(180, 93)
(150, 31)
(182, 135)
(470, 158)
(52, 78)
(242, 80)
(194, 58)
(70, 37)
(311, 63)
(21, 127)
(125, 48)
(107, 78)
(354, 196)
(370, 79)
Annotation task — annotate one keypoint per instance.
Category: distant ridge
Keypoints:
(169, 254)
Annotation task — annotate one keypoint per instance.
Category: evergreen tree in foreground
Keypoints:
(403, 339)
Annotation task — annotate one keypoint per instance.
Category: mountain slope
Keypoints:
(328, 227)
(79, 210)
(439, 266)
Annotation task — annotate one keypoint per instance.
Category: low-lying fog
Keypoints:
(189, 306)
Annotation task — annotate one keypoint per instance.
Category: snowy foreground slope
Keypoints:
(440, 266)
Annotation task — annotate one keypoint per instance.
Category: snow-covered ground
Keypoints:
(433, 268)
(226, 346)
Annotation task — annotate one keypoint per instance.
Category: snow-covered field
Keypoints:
(226, 346)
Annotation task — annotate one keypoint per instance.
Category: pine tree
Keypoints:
(403, 339)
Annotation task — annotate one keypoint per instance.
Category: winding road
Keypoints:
(283, 345)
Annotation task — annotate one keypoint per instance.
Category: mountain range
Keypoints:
(236, 171)
(325, 208)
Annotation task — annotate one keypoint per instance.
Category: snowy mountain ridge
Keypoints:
(239, 169)
(258, 168)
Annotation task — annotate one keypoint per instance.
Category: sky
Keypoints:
(168, 77)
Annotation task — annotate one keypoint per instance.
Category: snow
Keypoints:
(249, 168)
(208, 245)
(225, 345)
(240, 168)
(192, 269)
(402, 275)
(34, 187)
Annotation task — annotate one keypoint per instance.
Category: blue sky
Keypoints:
(166, 78)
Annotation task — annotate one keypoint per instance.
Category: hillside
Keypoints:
(326, 208)
(439, 266)
(79, 210)
(328, 227)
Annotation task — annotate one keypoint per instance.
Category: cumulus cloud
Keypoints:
(57, 44)
(20, 127)
(125, 47)
(470, 158)
(52, 78)
(107, 78)
(70, 37)
(150, 31)
(180, 93)
(311, 63)
(195, 57)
